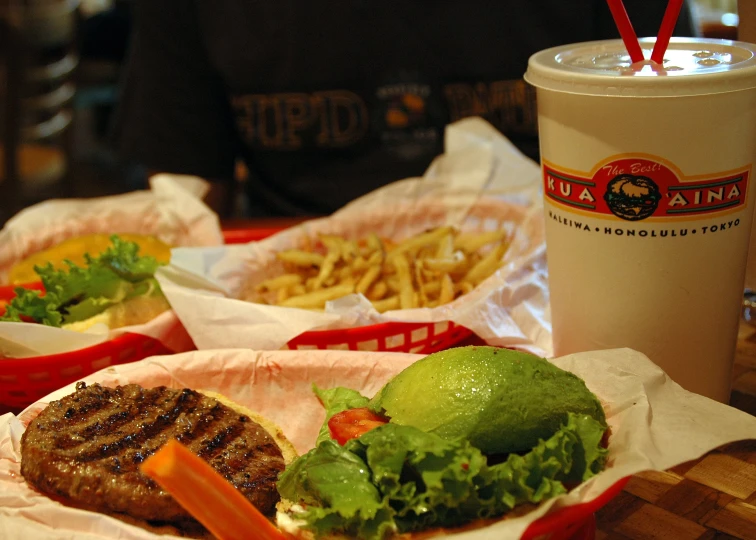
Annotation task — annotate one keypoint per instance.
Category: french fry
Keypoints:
(429, 275)
(349, 250)
(374, 243)
(431, 287)
(393, 283)
(360, 263)
(331, 242)
(472, 242)
(367, 279)
(446, 293)
(449, 264)
(281, 295)
(486, 266)
(445, 247)
(279, 282)
(464, 287)
(376, 258)
(377, 291)
(406, 291)
(388, 269)
(416, 242)
(392, 302)
(328, 266)
(318, 298)
(301, 258)
(422, 298)
(346, 272)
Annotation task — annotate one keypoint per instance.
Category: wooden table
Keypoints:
(713, 497)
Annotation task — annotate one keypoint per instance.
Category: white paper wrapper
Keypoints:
(481, 183)
(171, 210)
(655, 423)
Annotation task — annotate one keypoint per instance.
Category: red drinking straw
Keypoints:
(625, 28)
(666, 29)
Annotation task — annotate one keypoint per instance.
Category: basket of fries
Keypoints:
(426, 270)
(384, 280)
(422, 338)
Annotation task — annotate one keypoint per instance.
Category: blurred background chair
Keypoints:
(39, 61)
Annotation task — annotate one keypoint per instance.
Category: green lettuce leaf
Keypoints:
(28, 303)
(398, 478)
(335, 484)
(78, 293)
(123, 259)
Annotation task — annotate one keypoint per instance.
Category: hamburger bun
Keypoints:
(287, 449)
(139, 310)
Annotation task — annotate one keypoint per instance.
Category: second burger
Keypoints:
(116, 287)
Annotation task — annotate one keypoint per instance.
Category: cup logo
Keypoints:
(632, 197)
(642, 187)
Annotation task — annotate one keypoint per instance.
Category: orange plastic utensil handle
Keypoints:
(207, 496)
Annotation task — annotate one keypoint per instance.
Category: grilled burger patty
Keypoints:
(86, 449)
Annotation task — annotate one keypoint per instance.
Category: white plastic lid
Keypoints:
(692, 66)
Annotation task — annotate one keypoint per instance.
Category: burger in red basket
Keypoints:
(116, 287)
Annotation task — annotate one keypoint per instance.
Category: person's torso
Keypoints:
(332, 100)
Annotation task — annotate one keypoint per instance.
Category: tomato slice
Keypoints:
(353, 423)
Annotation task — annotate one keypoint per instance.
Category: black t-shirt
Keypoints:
(326, 101)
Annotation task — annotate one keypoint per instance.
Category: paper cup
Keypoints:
(647, 174)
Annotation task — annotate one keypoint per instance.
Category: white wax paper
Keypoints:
(655, 423)
(480, 183)
(172, 210)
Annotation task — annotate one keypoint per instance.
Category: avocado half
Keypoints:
(501, 400)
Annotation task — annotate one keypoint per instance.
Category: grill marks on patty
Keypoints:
(146, 423)
(86, 448)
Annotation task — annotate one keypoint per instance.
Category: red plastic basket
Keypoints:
(421, 338)
(573, 522)
(408, 337)
(24, 380)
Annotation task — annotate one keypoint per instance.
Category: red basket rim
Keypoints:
(359, 331)
(568, 515)
(7, 292)
(123, 340)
